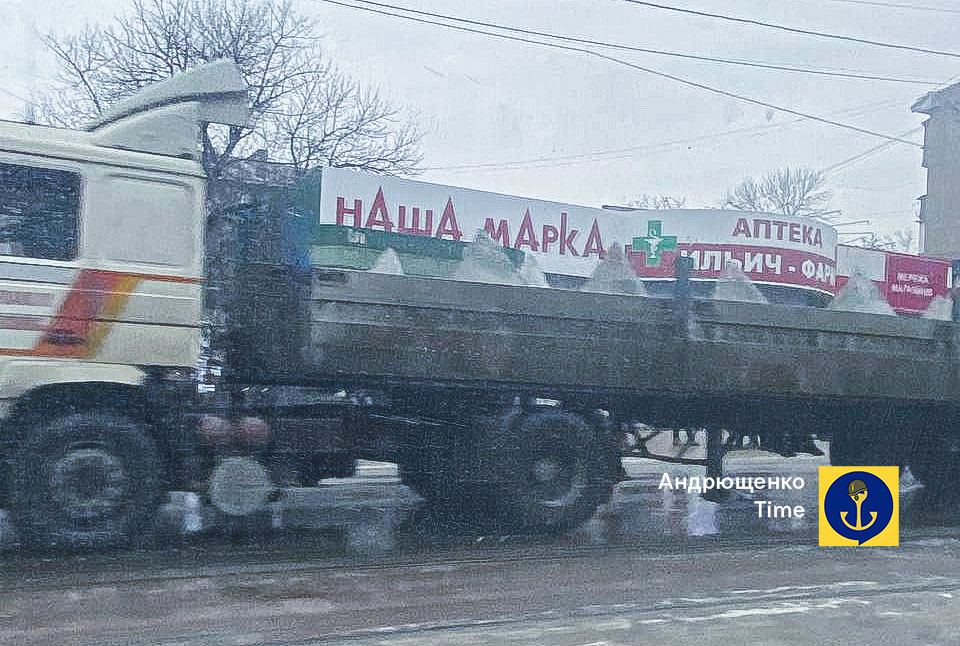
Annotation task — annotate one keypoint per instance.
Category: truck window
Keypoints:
(38, 212)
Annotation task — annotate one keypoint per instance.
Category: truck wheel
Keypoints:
(549, 470)
(85, 480)
(429, 464)
(860, 444)
(937, 465)
(846, 450)
(880, 439)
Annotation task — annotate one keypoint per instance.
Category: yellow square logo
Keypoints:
(859, 506)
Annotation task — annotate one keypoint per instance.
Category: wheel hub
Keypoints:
(88, 482)
(546, 470)
(556, 482)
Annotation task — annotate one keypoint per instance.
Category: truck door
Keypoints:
(39, 240)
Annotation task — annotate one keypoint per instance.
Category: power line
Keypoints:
(618, 152)
(660, 52)
(867, 153)
(897, 5)
(887, 212)
(13, 95)
(623, 153)
(795, 30)
(612, 59)
(602, 155)
(849, 161)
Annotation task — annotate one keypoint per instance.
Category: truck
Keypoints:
(148, 347)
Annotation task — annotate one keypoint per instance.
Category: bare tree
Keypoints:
(789, 191)
(658, 202)
(303, 110)
(331, 120)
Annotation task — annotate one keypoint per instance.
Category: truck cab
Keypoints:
(101, 265)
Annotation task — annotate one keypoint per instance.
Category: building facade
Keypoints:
(940, 207)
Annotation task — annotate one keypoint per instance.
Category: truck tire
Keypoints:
(864, 441)
(547, 470)
(847, 449)
(936, 464)
(429, 464)
(85, 480)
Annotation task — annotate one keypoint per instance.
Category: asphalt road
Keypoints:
(656, 567)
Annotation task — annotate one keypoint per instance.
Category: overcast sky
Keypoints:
(495, 103)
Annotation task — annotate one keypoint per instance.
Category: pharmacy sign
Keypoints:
(654, 243)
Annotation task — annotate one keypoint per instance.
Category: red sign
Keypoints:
(912, 282)
(908, 283)
(761, 264)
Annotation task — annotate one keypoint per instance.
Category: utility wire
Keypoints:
(897, 5)
(795, 30)
(603, 155)
(618, 152)
(660, 52)
(623, 153)
(849, 161)
(612, 59)
(16, 96)
(871, 151)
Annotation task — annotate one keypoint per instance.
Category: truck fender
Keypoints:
(20, 377)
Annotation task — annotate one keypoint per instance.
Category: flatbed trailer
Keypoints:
(464, 368)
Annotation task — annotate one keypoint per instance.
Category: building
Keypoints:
(358, 216)
(907, 282)
(792, 260)
(940, 207)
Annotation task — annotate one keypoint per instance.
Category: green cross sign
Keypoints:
(654, 243)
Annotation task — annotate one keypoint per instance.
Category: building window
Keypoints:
(39, 210)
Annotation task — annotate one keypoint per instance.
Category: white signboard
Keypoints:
(569, 239)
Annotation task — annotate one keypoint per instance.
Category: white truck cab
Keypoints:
(101, 265)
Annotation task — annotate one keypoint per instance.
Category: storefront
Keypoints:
(907, 282)
(791, 259)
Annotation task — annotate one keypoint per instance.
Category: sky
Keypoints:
(522, 119)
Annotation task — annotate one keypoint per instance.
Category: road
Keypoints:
(657, 567)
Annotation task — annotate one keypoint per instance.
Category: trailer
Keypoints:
(148, 345)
